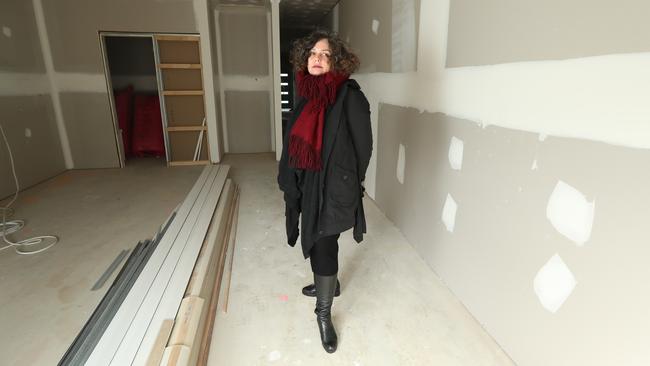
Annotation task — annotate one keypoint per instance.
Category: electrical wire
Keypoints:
(10, 227)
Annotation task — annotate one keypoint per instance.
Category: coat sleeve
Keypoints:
(287, 181)
(358, 116)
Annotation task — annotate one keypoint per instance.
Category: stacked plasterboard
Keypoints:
(179, 269)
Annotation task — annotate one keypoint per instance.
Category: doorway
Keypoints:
(130, 68)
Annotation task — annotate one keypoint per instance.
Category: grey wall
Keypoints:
(246, 78)
(244, 42)
(393, 47)
(28, 120)
(249, 128)
(502, 236)
(490, 32)
(90, 129)
(21, 50)
(73, 27)
(37, 157)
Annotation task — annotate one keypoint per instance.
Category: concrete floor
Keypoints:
(393, 309)
(45, 298)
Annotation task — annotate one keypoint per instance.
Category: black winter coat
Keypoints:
(330, 200)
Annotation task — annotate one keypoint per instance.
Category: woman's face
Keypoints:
(319, 58)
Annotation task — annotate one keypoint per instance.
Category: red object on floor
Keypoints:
(147, 137)
(124, 111)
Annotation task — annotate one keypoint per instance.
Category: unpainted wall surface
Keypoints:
(20, 49)
(244, 42)
(26, 112)
(500, 236)
(383, 33)
(245, 80)
(73, 26)
(90, 130)
(249, 125)
(29, 124)
(491, 32)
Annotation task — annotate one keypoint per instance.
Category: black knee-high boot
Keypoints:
(325, 287)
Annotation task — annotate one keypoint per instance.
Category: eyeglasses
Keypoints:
(314, 53)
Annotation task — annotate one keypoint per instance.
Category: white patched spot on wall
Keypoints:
(28, 132)
(375, 26)
(570, 213)
(456, 153)
(274, 356)
(401, 163)
(449, 213)
(534, 166)
(554, 283)
(6, 31)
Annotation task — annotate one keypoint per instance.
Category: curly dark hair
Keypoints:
(343, 60)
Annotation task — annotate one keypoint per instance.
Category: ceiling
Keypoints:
(294, 13)
(304, 13)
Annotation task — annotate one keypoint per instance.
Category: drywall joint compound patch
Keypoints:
(401, 163)
(6, 31)
(570, 213)
(449, 213)
(554, 283)
(456, 153)
(375, 26)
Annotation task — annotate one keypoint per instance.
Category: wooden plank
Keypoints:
(176, 356)
(137, 343)
(206, 338)
(231, 245)
(182, 80)
(183, 163)
(161, 37)
(182, 146)
(184, 110)
(179, 66)
(182, 92)
(114, 334)
(179, 52)
(186, 324)
(159, 346)
(187, 128)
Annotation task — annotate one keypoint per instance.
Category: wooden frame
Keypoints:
(178, 66)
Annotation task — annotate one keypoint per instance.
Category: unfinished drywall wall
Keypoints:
(90, 130)
(21, 50)
(243, 44)
(28, 122)
(503, 234)
(249, 128)
(383, 33)
(522, 185)
(131, 62)
(72, 28)
(26, 112)
(492, 32)
(216, 79)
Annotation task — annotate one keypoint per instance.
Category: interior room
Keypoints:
(145, 219)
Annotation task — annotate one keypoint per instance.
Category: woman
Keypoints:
(326, 150)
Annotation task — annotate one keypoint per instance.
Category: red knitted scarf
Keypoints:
(306, 136)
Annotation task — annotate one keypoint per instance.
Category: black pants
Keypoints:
(324, 256)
